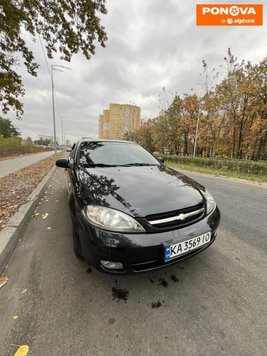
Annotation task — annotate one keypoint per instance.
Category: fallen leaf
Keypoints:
(17, 187)
(45, 216)
(15, 317)
(3, 281)
(22, 350)
(24, 291)
(49, 228)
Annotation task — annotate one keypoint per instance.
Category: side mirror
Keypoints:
(161, 159)
(63, 163)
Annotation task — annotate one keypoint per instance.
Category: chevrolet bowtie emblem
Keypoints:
(181, 217)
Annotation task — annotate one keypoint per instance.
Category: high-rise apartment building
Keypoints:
(119, 121)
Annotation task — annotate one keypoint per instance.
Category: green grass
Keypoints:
(219, 172)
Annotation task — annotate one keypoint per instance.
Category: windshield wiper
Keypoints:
(138, 164)
(99, 165)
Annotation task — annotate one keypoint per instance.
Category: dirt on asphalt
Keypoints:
(16, 187)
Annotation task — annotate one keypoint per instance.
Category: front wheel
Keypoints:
(77, 245)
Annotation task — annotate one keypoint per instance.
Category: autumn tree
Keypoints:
(143, 135)
(257, 140)
(189, 121)
(160, 132)
(231, 102)
(174, 117)
(212, 116)
(67, 26)
(228, 119)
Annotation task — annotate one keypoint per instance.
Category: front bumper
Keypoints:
(140, 252)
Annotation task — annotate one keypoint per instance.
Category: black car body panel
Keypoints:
(140, 252)
(144, 193)
(158, 185)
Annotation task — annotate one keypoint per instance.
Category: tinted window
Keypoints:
(114, 153)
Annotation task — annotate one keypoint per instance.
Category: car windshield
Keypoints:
(108, 154)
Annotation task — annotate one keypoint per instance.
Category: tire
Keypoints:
(76, 245)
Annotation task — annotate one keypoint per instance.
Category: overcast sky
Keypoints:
(151, 44)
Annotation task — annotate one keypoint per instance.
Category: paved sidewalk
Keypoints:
(14, 164)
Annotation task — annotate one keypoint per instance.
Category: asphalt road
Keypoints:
(211, 304)
(8, 166)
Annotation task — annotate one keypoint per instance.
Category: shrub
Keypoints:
(13, 146)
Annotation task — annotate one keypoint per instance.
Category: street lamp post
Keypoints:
(197, 128)
(62, 132)
(55, 67)
(63, 128)
(53, 103)
(196, 135)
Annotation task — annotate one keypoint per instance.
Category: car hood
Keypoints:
(138, 191)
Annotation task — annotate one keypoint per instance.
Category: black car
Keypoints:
(130, 213)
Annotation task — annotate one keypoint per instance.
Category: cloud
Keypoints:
(151, 44)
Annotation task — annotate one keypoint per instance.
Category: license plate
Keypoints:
(175, 250)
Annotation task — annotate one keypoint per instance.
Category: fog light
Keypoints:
(111, 265)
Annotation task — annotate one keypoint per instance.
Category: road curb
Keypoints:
(12, 232)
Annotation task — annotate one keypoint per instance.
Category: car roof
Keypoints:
(84, 139)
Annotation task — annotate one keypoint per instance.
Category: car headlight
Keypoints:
(111, 219)
(210, 201)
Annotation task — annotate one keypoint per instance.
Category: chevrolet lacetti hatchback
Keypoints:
(130, 213)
